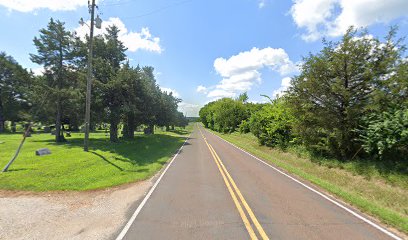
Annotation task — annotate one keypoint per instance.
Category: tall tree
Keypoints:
(133, 94)
(335, 89)
(14, 85)
(55, 52)
(151, 107)
(109, 54)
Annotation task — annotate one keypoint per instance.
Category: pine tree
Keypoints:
(55, 52)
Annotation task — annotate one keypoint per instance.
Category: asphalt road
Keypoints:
(213, 190)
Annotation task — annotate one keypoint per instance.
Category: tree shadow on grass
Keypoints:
(116, 166)
(391, 170)
(106, 160)
(19, 169)
(141, 151)
(180, 131)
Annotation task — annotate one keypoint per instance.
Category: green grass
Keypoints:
(384, 194)
(70, 168)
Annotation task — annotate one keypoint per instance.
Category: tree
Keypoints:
(135, 94)
(109, 54)
(335, 89)
(273, 124)
(55, 51)
(151, 99)
(168, 110)
(223, 115)
(243, 97)
(14, 85)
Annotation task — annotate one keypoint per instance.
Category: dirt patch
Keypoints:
(68, 215)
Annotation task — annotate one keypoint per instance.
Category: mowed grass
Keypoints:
(383, 195)
(70, 168)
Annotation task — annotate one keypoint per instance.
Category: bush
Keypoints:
(244, 127)
(272, 125)
(387, 134)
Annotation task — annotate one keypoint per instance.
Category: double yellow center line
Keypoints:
(237, 195)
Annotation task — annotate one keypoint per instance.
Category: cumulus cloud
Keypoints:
(285, 84)
(53, 5)
(332, 17)
(242, 71)
(201, 89)
(219, 93)
(169, 90)
(134, 41)
(189, 109)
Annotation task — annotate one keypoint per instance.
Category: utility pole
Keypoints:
(89, 79)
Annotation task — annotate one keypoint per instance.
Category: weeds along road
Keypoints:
(212, 190)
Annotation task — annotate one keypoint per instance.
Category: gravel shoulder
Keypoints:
(98, 214)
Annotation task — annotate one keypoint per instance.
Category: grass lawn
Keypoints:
(70, 168)
(383, 194)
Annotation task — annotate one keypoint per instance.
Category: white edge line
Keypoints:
(139, 208)
(390, 234)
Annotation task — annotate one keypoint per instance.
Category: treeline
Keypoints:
(122, 95)
(350, 100)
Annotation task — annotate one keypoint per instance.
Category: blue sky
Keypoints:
(203, 50)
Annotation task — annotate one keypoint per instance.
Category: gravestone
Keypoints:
(42, 151)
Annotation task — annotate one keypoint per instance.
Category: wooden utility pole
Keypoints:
(89, 79)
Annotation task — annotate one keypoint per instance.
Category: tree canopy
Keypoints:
(124, 97)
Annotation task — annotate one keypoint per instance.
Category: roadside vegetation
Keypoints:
(126, 100)
(55, 100)
(68, 167)
(343, 124)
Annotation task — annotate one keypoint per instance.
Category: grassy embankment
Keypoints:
(70, 168)
(371, 187)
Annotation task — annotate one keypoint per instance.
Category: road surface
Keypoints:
(212, 190)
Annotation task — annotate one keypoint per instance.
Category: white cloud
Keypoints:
(285, 84)
(218, 93)
(332, 17)
(32, 5)
(169, 90)
(201, 89)
(189, 109)
(134, 41)
(240, 72)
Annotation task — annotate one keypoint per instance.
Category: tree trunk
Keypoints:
(13, 127)
(151, 126)
(129, 127)
(167, 128)
(113, 131)
(59, 137)
(113, 128)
